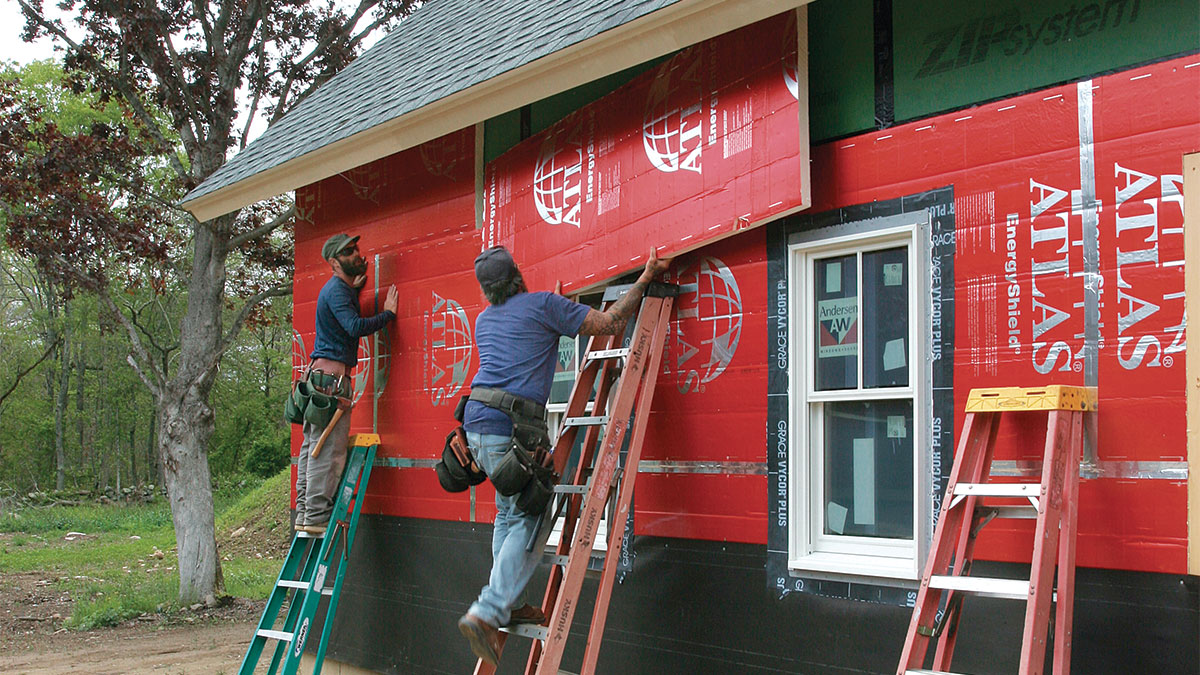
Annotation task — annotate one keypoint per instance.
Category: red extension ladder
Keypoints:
(620, 391)
(1052, 502)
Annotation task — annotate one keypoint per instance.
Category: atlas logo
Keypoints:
(673, 124)
(707, 324)
(558, 178)
(448, 349)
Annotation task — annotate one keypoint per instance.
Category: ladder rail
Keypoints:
(975, 426)
(649, 379)
(1045, 548)
(1065, 607)
(602, 476)
(344, 561)
(963, 551)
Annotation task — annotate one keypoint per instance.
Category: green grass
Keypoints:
(113, 577)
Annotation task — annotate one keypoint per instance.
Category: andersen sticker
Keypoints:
(838, 319)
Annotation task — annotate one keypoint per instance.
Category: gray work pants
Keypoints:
(317, 477)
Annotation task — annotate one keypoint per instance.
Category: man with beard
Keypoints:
(339, 325)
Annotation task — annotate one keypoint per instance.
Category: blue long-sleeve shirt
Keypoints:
(340, 324)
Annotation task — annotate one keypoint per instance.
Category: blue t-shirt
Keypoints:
(518, 345)
(339, 324)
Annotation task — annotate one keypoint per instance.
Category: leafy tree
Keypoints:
(194, 61)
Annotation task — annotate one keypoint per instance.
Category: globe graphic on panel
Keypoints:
(363, 368)
(450, 349)
(671, 132)
(721, 308)
(557, 179)
(708, 324)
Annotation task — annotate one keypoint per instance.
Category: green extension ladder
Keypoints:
(306, 570)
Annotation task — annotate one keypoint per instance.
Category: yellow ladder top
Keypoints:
(1052, 397)
(364, 440)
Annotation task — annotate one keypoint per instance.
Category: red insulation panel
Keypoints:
(1023, 172)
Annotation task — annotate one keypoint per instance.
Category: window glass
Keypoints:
(868, 468)
(564, 371)
(835, 286)
(885, 318)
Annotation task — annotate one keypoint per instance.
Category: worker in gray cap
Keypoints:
(517, 339)
(339, 325)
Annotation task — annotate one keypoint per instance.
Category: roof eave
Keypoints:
(661, 32)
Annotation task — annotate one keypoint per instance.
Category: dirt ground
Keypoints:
(33, 640)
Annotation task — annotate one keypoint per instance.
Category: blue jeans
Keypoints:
(512, 564)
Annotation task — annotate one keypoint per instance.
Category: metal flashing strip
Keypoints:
(1176, 471)
(686, 466)
(1088, 207)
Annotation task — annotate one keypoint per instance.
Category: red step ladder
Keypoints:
(1053, 502)
(621, 391)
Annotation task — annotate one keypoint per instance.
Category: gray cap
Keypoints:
(495, 265)
(335, 244)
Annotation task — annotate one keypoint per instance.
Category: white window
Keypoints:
(860, 398)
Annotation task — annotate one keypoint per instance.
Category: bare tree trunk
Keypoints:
(60, 408)
(185, 421)
(80, 371)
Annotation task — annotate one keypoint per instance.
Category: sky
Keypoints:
(12, 48)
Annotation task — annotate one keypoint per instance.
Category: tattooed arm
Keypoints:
(612, 321)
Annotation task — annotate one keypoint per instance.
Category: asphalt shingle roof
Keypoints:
(444, 47)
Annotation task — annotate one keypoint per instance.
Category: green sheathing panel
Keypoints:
(950, 53)
(504, 131)
(501, 133)
(550, 110)
(841, 68)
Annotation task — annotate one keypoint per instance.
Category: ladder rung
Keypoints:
(288, 583)
(302, 534)
(571, 489)
(998, 489)
(598, 420)
(928, 672)
(528, 630)
(1024, 511)
(608, 354)
(274, 635)
(1013, 589)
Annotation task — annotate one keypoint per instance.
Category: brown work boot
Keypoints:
(527, 614)
(484, 639)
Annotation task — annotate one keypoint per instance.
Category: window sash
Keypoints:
(811, 549)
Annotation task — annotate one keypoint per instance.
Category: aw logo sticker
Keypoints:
(838, 319)
(707, 324)
(448, 349)
(673, 125)
(558, 177)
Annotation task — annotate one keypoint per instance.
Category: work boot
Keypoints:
(314, 529)
(527, 613)
(484, 639)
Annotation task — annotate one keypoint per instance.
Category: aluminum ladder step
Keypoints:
(528, 630)
(1012, 589)
(274, 635)
(929, 672)
(608, 354)
(591, 420)
(998, 489)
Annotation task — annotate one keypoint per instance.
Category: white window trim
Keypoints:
(810, 551)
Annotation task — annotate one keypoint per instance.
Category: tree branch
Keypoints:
(236, 325)
(121, 84)
(21, 375)
(261, 230)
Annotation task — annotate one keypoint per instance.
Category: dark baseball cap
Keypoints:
(335, 244)
(495, 265)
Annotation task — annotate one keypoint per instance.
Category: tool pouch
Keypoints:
(320, 408)
(455, 471)
(297, 402)
(537, 492)
(514, 470)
